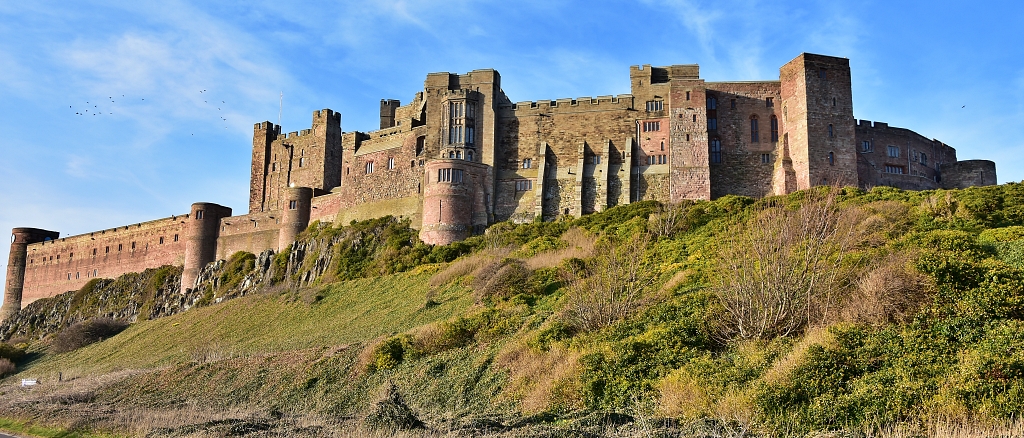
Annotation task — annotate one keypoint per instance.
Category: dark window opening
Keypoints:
(293, 204)
(775, 128)
(755, 135)
(716, 150)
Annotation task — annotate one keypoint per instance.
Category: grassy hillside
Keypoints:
(887, 312)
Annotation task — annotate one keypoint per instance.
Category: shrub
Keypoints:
(608, 288)
(501, 279)
(784, 269)
(7, 367)
(391, 353)
(85, 333)
(891, 291)
(11, 352)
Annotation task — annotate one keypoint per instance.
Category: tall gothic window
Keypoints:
(716, 150)
(755, 136)
(460, 122)
(775, 128)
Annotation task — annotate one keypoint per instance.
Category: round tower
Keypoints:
(295, 216)
(452, 201)
(20, 239)
(202, 231)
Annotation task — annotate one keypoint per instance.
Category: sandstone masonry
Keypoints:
(461, 156)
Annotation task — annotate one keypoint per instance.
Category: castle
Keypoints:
(461, 156)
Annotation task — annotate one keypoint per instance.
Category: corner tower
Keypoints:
(20, 239)
(202, 231)
(818, 123)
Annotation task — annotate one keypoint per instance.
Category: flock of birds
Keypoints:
(95, 109)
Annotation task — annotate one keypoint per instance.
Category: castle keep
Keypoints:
(461, 156)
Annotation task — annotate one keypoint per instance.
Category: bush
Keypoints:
(85, 333)
(7, 367)
(11, 352)
(391, 353)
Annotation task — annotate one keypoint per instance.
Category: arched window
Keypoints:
(662, 145)
(469, 155)
(831, 134)
(712, 103)
(831, 159)
(715, 149)
(775, 128)
(755, 136)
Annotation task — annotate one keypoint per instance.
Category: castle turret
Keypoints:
(20, 239)
(388, 108)
(453, 201)
(202, 231)
(295, 216)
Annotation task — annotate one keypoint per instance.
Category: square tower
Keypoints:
(817, 111)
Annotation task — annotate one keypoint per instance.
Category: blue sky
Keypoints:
(950, 70)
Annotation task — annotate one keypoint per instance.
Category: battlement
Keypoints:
(327, 114)
(567, 105)
(664, 74)
(267, 126)
(119, 229)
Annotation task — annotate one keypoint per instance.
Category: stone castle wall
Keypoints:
(59, 265)
(674, 137)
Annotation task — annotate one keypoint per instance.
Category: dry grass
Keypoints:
(784, 366)
(891, 291)
(950, 428)
(580, 244)
(468, 265)
(540, 380)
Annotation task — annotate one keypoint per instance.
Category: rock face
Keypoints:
(150, 294)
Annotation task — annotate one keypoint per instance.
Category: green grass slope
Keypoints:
(343, 313)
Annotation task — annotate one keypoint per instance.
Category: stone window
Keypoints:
(273, 167)
(391, 162)
(199, 214)
(822, 73)
(120, 247)
(766, 158)
(469, 155)
(523, 185)
(732, 103)
(76, 275)
(175, 237)
(293, 204)
(161, 240)
(695, 118)
(769, 102)
(894, 151)
(420, 141)
(302, 161)
(687, 95)
(469, 135)
(652, 126)
(458, 154)
(597, 159)
(898, 170)
(924, 159)
(712, 102)
(831, 133)
(106, 250)
(865, 146)
(69, 276)
(662, 159)
(460, 116)
(755, 135)
(95, 272)
(833, 101)
(713, 124)
(662, 145)
(774, 121)
(133, 246)
(527, 163)
(831, 158)
(412, 164)
(369, 167)
(716, 150)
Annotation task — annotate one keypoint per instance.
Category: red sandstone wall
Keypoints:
(66, 264)
(253, 233)
(742, 170)
(917, 175)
